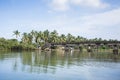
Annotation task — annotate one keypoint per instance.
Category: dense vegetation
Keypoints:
(38, 38)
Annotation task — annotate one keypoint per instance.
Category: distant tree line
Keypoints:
(39, 38)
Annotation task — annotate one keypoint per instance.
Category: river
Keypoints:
(59, 65)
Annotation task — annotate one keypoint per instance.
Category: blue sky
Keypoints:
(87, 18)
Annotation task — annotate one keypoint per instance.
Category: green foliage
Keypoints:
(39, 38)
(7, 44)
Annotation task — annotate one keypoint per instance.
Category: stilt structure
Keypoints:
(89, 48)
(115, 50)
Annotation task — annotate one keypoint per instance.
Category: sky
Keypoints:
(87, 18)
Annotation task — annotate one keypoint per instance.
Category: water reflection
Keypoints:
(49, 62)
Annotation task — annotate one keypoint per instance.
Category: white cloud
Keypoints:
(90, 3)
(60, 5)
(107, 19)
(63, 5)
(104, 25)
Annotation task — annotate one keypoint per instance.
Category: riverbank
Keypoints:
(15, 45)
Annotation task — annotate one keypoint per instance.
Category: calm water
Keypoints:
(59, 65)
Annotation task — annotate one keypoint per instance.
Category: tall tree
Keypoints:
(16, 33)
(70, 38)
(30, 37)
(32, 33)
(39, 37)
(25, 38)
(54, 36)
(78, 39)
(46, 35)
(63, 38)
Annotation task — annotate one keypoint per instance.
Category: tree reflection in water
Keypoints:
(50, 61)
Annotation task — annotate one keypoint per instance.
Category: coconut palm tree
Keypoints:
(25, 38)
(78, 39)
(46, 35)
(30, 37)
(63, 38)
(70, 38)
(16, 33)
(39, 37)
(32, 33)
(54, 36)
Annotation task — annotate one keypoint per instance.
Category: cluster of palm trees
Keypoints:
(42, 37)
(35, 39)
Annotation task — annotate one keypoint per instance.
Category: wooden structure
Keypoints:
(89, 45)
